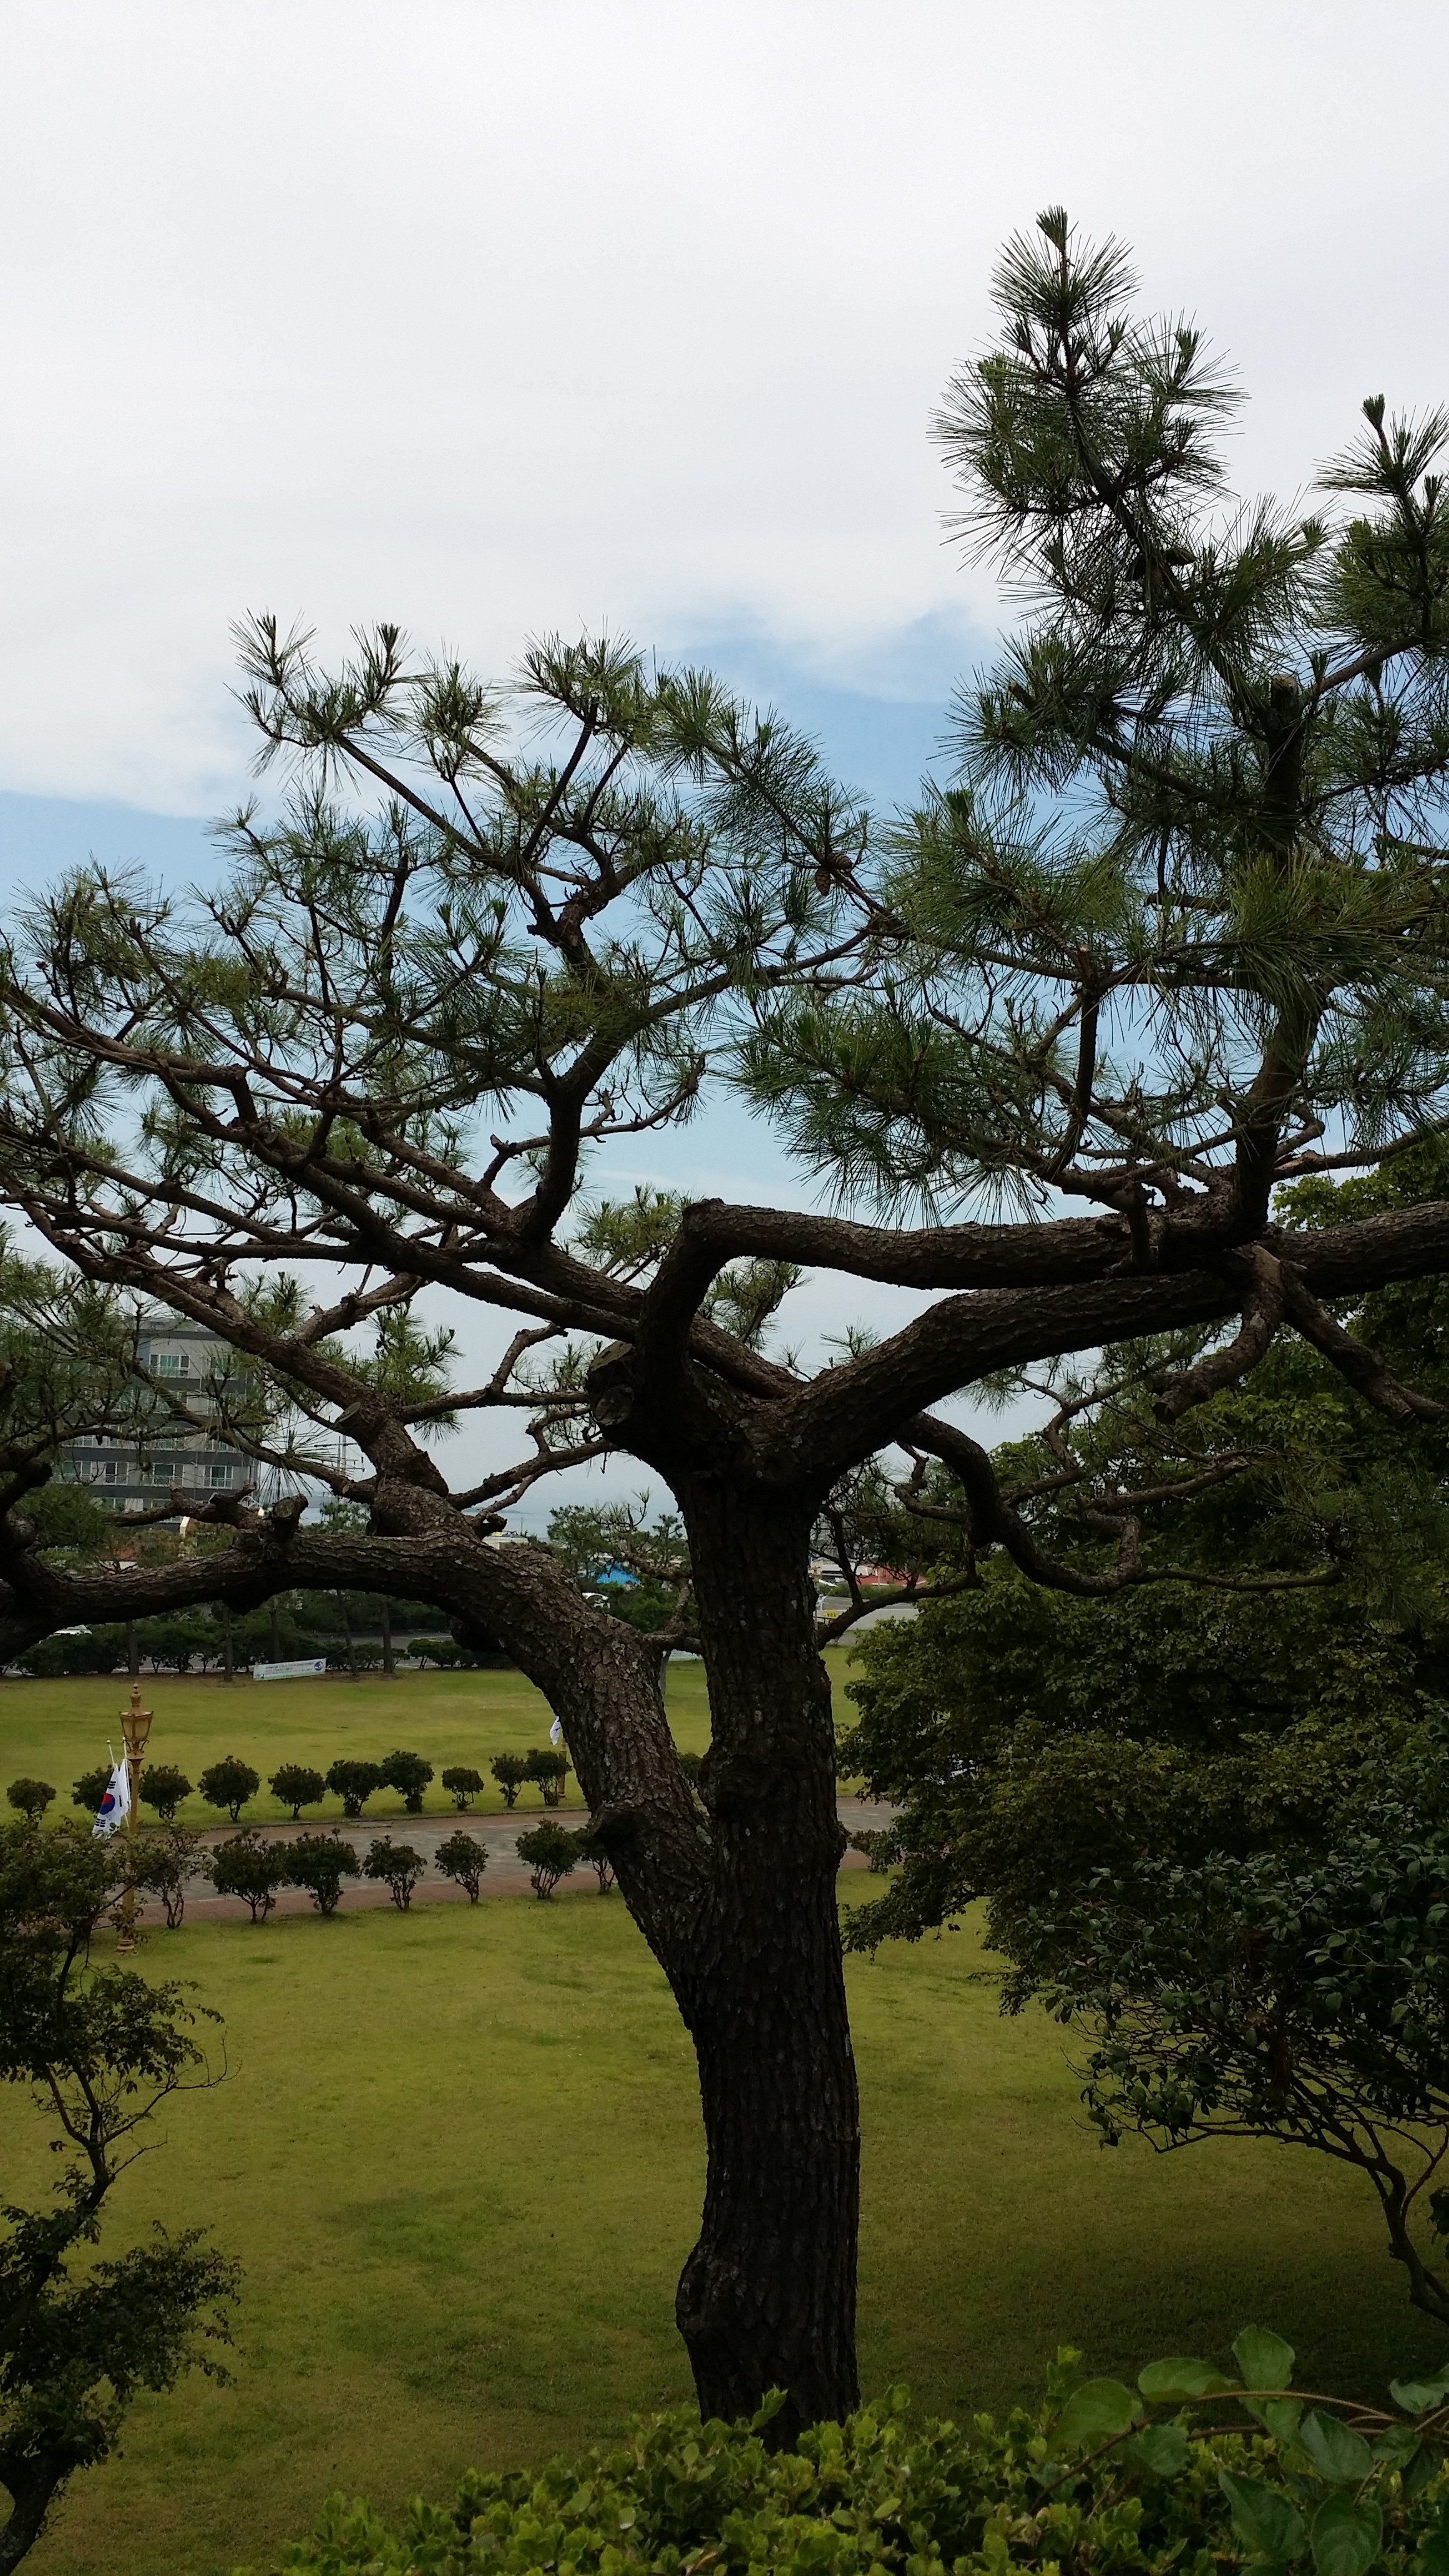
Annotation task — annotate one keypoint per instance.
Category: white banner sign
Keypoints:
(298, 1672)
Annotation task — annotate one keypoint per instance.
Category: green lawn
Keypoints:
(55, 1730)
(459, 2153)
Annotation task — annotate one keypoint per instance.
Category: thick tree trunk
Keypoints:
(32, 2484)
(767, 2298)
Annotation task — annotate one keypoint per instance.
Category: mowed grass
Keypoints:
(56, 1730)
(458, 2152)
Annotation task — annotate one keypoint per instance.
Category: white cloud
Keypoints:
(490, 316)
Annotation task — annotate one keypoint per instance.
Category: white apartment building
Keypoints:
(131, 1471)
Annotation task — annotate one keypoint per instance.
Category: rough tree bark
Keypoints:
(769, 2290)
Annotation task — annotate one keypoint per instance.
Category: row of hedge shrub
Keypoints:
(252, 1868)
(231, 1784)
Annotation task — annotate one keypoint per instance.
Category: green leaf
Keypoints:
(1264, 2359)
(1424, 2465)
(1397, 2447)
(1164, 2381)
(1338, 2453)
(1346, 2536)
(1434, 2552)
(1095, 2412)
(1162, 2449)
(1264, 2518)
(1416, 2396)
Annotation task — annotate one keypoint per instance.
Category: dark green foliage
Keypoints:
(591, 1852)
(174, 1643)
(90, 1788)
(510, 1770)
(229, 1784)
(462, 1784)
(296, 1787)
(246, 1866)
(320, 1863)
(31, 1797)
(1287, 1994)
(100, 2049)
(354, 1783)
(96, 1650)
(600, 1542)
(409, 1773)
(451, 1656)
(166, 1864)
(549, 1852)
(398, 1866)
(549, 1770)
(1029, 1737)
(463, 1858)
(163, 1787)
(691, 1764)
(1195, 2468)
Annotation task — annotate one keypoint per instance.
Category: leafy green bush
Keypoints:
(549, 1853)
(409, 1773)
(354, 1783)
(461, 1785)
(1191, 2470)
(510, 1770)
(88, 1791)
(550, 1770)
(247, 1867)
(588, 1849)
(166, 1864)
(94, 1650)
(31, 1797)
(398, 1866)
(295, 1786)
(463, 1859)
(163, 1787)
(229, 1784)
(320, 1862)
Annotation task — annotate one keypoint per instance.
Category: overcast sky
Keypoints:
(496, 315)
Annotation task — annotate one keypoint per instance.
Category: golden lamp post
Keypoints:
(135, 1727)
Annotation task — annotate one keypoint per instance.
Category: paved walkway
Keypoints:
(505, 1875)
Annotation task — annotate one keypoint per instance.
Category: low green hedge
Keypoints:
(1191, 2472)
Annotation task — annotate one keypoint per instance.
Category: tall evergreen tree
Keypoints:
(1177, 933)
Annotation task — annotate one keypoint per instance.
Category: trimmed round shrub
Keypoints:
(247, 1867)
(409, 1773)
(163, 1787)
(32, 1797)
(229, 1784)
(550, 1770)
(398, 1866)
(90, 1788)
(166, 1864)
(463, 1859)
(319, 1863)
(296, 1787)
(354, 1783)
(461, 1785)
(591, 1852)
(549, 1853)
(510, 1770)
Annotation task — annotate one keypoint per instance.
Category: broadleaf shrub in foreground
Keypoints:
(1193, 2469)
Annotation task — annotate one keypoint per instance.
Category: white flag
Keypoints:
(115, 1806)
(555, 1732)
